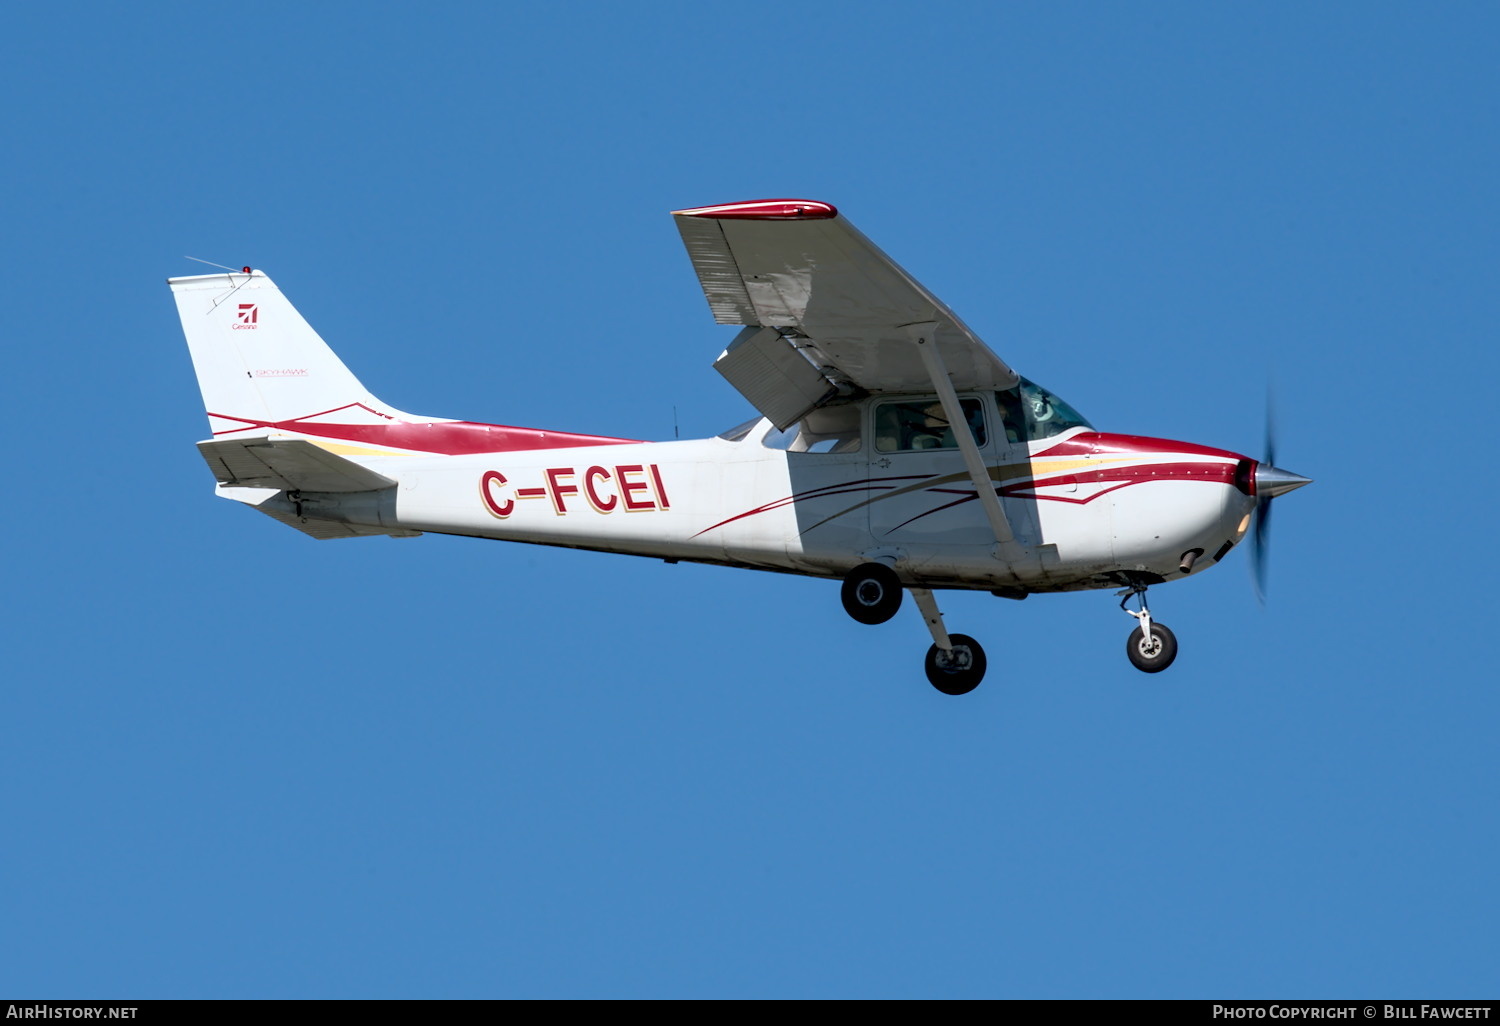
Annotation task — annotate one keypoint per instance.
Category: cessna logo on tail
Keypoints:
(248, 317)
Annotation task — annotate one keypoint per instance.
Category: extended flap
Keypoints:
(773, 375)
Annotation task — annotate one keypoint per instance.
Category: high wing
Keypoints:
(827, 314)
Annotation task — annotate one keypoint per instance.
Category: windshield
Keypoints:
(1031, 412)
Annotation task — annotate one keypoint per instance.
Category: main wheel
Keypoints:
(1153, 657)
(872, 593)
(958, 672)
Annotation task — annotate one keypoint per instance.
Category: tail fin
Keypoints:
(258, 362)
(265, 373)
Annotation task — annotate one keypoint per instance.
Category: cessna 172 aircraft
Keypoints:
(895, 451)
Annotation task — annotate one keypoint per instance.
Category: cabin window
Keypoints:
(918, 424)
(830, 429)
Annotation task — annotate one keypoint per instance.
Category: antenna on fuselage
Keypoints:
(675, 432)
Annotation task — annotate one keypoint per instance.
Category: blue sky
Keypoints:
(237, 762)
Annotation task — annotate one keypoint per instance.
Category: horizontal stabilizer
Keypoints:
(287, 464)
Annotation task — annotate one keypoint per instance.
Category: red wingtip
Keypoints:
(766, 210)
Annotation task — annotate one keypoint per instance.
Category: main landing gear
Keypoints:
(1151, 646)
(871, 593)
(955, 663)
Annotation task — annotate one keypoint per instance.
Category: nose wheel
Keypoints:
(1153, 654)
(1151, 647)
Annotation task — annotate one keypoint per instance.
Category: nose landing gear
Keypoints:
(1151, 647)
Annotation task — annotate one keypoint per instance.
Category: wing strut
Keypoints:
(922, 334)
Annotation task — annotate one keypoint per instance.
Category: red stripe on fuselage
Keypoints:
(1098, 443)
(1122, 477)
(1216, 473)
(450, 438)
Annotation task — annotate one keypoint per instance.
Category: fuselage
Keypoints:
(1088, 509)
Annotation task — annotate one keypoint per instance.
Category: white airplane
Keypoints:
(895, 450)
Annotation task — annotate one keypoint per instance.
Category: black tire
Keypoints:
(960, 675)
(1158, 656)
(872, 593)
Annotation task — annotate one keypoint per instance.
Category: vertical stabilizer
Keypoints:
(257, 360)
